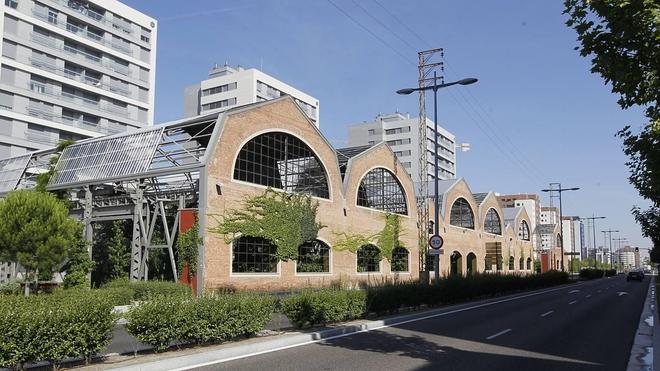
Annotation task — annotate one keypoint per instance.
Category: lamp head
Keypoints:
(405, 91)
(468, 81)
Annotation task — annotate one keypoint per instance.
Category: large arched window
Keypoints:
(253, 255)
(558, 240)
(493, 224)
(522, 263)
(523, 231)
(381, 190)
(511, 263)
(461, 214)
(313, 257)
(368, 259)
(280, 160)
(399, 260)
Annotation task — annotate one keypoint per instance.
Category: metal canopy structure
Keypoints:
(145, 176)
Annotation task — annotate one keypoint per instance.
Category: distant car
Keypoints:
(635, 275)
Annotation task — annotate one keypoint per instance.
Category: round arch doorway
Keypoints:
(456, 264)
(471, 264)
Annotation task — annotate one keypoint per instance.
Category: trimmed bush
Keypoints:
(143, 290)
(54, 327)
(310, 308)
(591, 273)
(10, 288)
(163, 320)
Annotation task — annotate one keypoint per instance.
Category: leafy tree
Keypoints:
(36, 231)
(622, 38)
(78, 266)
(187, 245)
(119, 253)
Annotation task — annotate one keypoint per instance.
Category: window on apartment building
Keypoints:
(381, 190)
(52, 16)
(406, 164)
(313, 257)
(9, 49)
(6, 100)
(253, 255)
(368, 259)
(372, 131)
(219, 89)
(12, 3)
(372, 142)
(219, 104)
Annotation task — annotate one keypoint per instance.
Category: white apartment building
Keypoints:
(532, 204)
(573, 238)
(229, 86)
(73, 69)
(401, 133)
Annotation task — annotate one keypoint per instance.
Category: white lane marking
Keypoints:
(546, 313)
(573, 302)
(573, 291)
(621, 293)
(498, 334)
(394, 323)
(599, 291)
(588, 296)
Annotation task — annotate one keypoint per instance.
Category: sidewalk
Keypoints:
(645, 349)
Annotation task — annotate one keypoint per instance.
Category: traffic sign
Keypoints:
(436, 242)
(436, 252)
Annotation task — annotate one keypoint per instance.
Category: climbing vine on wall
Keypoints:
(286, 219)
(187, 247)
(387, 240)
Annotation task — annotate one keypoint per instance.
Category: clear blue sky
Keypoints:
(537, 115)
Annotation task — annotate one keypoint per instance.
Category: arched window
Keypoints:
(282, 161)
(558, 240)
(493, 224)
(313, 256)
(399, 260)
(529, 263)
(461, 214)
(522, 263)
(381, 190)
(253, 255)
(511, 263)
(523, 231)
(368, 259)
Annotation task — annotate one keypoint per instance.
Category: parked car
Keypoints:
(635, 275)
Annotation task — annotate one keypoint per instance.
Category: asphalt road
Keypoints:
(585, 326)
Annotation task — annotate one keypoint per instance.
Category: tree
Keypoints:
(36, 232)
(622, 37)
(119, 254)
(78, 266)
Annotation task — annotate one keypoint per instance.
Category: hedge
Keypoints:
(310, 308)
(54, 327)
(610, 272)
(163, 320)
(325, 306)
(143, 290)
(591, 273)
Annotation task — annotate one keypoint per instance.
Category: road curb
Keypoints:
(642, 351)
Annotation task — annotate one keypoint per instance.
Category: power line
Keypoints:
(369, 31)
(385, 26)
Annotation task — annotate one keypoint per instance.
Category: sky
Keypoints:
(536, 116)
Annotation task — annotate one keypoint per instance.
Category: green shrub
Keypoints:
(54, 327)
(10, 288)
(324, 306)
(610, 272)
(162, 320)
(144, 290)
(591, 273)
(118, 295)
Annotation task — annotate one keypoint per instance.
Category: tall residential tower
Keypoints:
(401, 134)
(73, 69)
(228, 87)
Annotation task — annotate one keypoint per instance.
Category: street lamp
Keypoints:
(610, 231)
(435, 87)
(561, 221)
(593, 218)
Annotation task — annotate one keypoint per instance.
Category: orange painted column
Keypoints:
(187, 218)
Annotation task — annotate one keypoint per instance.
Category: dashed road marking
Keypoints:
(498, 334)
(573, 302)
(588, 296)
(546, 313)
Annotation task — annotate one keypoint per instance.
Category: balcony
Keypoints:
(81, 55)
(77, 76)
(40, 137)
(80, 31)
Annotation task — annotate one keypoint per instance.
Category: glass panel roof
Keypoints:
(11, 170)
(107, 158)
